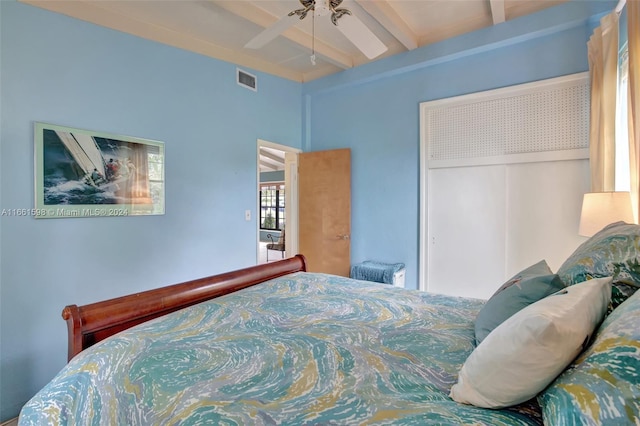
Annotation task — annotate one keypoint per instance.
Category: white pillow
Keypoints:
(525, 353)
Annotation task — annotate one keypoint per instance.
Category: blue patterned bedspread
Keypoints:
(304, 349)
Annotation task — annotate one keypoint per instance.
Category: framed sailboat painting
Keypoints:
(82, 173)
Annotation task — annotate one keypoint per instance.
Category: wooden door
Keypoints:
(324, 200)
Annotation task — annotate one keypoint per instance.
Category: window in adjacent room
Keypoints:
(155, 162)
(272, 206)
(622, 172)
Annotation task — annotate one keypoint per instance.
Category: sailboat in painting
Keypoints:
(76, 169)
(85, 150)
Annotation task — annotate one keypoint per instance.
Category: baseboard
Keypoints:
(11, 422)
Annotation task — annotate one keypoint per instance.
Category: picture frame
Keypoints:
(83, 173)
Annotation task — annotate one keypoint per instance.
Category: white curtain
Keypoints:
(603, 66)
(633, 25)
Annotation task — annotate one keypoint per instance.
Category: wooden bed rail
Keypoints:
(89, 324)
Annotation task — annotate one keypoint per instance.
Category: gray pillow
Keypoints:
(526, 287)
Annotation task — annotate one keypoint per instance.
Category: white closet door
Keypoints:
(487, 223)
(466, 230)
(501, 182)
(543, 209)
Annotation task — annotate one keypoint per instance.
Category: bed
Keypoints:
(274, 344)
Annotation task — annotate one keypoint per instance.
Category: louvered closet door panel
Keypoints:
(466, 238)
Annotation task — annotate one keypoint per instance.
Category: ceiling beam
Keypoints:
(271, 156)
(386, 16)
(264, 19)
(497, 11)
(266, 165)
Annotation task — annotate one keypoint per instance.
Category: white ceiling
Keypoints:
(271, 159)
(221, 28)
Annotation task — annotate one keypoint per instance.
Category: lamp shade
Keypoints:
(599, 209)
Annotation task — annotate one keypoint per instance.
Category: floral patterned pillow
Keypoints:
(612, 252)
(602, 386)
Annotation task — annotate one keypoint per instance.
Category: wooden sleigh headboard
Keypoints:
(89, 324)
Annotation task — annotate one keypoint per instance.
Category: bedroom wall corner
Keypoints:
(374, 111)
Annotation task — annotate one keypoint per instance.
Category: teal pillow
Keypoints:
(612, 252)
(532, 284)
(602, 385)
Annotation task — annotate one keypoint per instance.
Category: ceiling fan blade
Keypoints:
(272, 32)
(361, 36)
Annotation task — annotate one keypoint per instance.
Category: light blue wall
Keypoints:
(374, 110)
(64, 71)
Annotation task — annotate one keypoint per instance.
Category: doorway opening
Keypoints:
(277, 206)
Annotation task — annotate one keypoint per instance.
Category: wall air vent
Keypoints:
(247, 80)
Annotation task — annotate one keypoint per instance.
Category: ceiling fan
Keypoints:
(352, 27)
